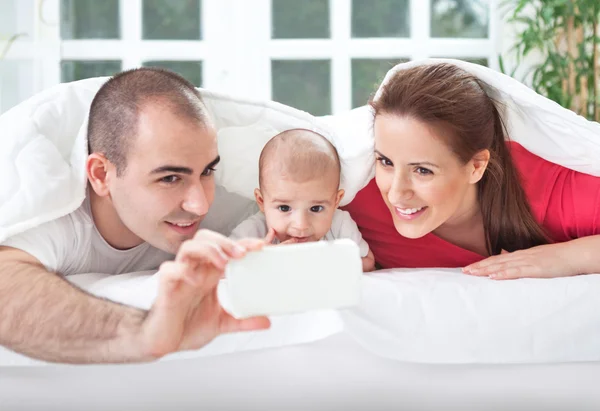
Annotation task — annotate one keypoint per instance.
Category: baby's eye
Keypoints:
(423, 171)
(284, 208)
(385, 162)
(317, 209)
(170, 179)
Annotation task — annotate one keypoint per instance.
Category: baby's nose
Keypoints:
(300, 227)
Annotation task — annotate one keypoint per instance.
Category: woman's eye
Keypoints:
(423, 171)
(284, 208)
(208, 172)
(317, 209)
(169, 179)
(385, 162)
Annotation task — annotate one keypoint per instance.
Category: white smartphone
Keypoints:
(294, 278)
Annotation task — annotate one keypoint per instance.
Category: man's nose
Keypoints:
(196, 201)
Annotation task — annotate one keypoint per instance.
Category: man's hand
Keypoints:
(186, 314)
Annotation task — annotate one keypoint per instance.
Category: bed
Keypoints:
(420, 339)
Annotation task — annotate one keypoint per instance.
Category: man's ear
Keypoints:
(97, 168)
(259, 199)
(338, 197)
(479, 163)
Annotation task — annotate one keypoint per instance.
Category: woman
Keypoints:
(450, 191)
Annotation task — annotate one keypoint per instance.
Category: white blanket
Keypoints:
(428, 316)
(419, 315)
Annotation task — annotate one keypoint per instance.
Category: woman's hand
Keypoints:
(544, 261)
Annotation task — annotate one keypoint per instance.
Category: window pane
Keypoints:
(481, 61)
(72, 70)
(15, 82)
(190, 70)
(89, 19)
(303, 84)
(367, 75)
(459, 18)
(171, 20)
(305, 19)
(8, 18)
(381, 18)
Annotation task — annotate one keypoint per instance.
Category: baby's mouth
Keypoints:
(300, 239)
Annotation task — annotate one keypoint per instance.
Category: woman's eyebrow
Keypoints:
(423, 163)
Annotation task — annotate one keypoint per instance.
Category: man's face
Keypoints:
(168, 184)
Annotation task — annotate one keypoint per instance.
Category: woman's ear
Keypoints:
(259, 199)
(479, 163)
(97, 168)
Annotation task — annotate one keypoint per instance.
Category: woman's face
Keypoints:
(423, 183)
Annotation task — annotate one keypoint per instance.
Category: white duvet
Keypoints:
(410, 315)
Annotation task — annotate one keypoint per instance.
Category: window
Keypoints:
(322, 56)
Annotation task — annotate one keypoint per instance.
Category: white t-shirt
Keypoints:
(342, 226)
(72, 244)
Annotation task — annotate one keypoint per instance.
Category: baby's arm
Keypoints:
(368, 262)
(343, 226)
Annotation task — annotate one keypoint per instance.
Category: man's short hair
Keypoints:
(113, 119)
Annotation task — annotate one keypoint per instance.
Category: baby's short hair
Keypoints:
(301, 155)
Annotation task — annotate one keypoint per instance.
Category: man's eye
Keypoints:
(209, 172)
(423, 171)
(169, 179)
(385, 162)
(284, 208)
(317, 209)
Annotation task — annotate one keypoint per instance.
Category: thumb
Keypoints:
(270, 236)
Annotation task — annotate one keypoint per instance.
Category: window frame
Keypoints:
(229, 65)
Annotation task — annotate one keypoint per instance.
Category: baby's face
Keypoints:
(302, 211)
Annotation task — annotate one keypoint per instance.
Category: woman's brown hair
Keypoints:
(454, 101)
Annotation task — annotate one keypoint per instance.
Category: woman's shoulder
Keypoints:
(534, 171)
(523, 157)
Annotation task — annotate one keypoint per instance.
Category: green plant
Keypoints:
(9, 43)
(566, 34)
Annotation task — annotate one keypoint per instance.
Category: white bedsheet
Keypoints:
(330, 374)
(423, 316)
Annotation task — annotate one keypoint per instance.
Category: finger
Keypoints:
(230, 247)
(490, 269)
(270, 236)
(490, 261)
(194, 251)
(289, 241)
(173, 272)
(252, 244)
(229, 324)
(513, 273)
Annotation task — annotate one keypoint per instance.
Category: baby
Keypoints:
(298, 194)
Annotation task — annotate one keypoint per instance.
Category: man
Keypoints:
(153, 151)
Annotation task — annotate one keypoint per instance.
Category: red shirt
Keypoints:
(562, 200)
